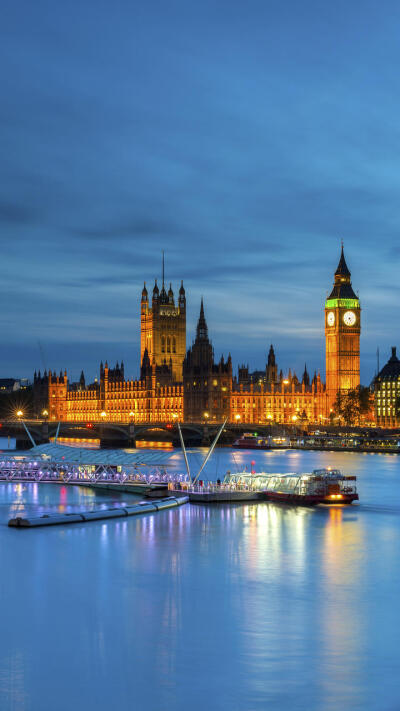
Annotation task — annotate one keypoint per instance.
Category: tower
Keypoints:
(206, 384)
(163, 327)
(272, 368)
(342, 334)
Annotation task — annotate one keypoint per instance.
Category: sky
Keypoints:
(244, 139)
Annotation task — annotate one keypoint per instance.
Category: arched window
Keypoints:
(162, 344)
(168, 345)
(174, 345)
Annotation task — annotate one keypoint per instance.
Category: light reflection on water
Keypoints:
(246, 606)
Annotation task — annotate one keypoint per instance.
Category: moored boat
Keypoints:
(322, 486)
(249, 440)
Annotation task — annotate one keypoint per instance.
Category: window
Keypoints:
(162, 344)
(168, 345)
(174, 345)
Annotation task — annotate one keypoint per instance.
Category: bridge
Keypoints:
(118, 434)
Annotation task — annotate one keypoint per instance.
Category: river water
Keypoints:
(239, 607)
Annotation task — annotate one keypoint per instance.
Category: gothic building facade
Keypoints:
(194, 387)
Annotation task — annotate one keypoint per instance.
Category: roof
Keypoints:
(390, 371)
(117, 457)
(342, 288)
(342, 268)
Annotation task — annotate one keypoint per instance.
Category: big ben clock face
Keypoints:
(330, 319)
(349, 318)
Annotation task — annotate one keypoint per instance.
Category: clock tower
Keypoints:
(342, 334)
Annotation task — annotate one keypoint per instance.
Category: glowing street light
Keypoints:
(45, 413)
(237, 418)
(131, 414)
(174, 416)
(20, 413)
(206, 415)
(294, 418)
(103, 414)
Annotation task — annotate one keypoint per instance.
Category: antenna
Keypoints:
(42, 355)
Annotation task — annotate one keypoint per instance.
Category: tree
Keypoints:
(353, 404)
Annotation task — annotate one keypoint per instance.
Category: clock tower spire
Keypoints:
(342, 334)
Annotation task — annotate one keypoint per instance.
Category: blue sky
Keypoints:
(245, 139)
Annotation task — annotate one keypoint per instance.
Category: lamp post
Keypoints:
(19, 414)
(103, 415)
(45, 414)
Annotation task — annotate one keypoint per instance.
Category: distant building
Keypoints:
(387, 393)
(12, 385)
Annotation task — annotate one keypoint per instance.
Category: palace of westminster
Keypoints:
(189, 385)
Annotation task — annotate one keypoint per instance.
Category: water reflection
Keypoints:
(244, 607)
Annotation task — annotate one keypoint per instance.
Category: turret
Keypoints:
(182, 298)
(171, 295)
(156, 293)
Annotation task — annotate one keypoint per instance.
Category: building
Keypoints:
(163, 328)
(194, 387)
(12, 385)
(342, 334)
(387, 393)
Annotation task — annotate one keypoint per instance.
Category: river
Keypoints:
(233, 607)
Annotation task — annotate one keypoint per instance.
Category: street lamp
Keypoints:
(131, 414)
(206, 415)
(237, 418)
(103, 415)
(174, 416)
(294, 418)
(45, 413)
(20, 414)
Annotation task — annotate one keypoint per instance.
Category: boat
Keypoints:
(321, 486)
(249, 440)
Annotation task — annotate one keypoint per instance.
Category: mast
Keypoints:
(210, 451)
(184, 453)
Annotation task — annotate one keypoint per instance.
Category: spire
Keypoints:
(271, 356)
(202, 330)
(144, 292)
(163, 293)
(342, 288)
(306, 377)
(342, 268)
